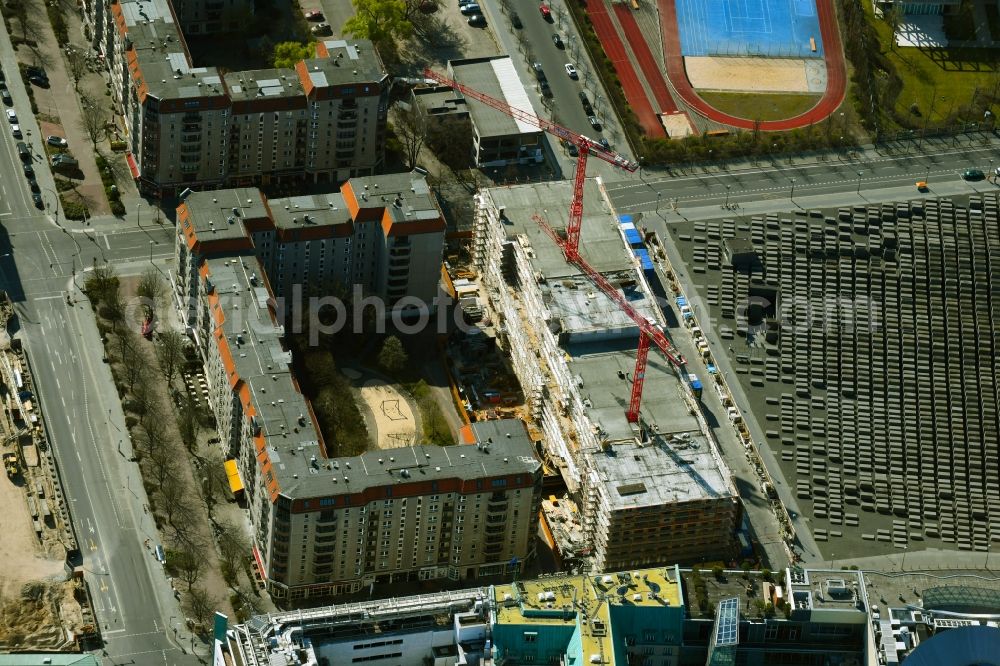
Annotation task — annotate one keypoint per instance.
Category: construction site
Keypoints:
(574, 350)
(865, 341)
(44, 602)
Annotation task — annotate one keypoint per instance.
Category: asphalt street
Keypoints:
(43, 259)
(779, 185)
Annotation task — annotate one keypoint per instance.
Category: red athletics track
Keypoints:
(615, 50)
(654, 77)
(836, 73)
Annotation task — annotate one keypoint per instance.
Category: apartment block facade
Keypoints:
(381, 234)
(649, 494)
(201, 128)
(326, 525)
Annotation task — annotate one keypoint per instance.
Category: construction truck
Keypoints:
(11, 465)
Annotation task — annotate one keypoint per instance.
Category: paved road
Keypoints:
(42, 259)
(771, 184)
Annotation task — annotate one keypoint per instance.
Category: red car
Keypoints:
(314, 15)
(546, 11)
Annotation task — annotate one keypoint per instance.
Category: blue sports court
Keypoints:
(772, 28)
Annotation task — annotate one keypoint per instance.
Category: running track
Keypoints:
(836, 83)
(615, 50)
(646, 61)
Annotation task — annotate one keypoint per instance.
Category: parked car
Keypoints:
(587, 108)
(604, 144)
(57, 141)
(65, 161)
(314, 15)
(571, 148)
(470, 9)
(15, 131)
(557, 40)
(11, 116)
(543, 86)
(23, 151)
(571, 71)
(594, 122)
(322, 29)
(5, 94)
(36, 71)
(40, 81)
(973, 174)
(477, 21)
(515, 20)
(33, 184)
(3, 77)
(37, 198)
(536, 67)
(29, 170)
(546, 12)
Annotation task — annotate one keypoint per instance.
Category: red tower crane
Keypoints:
(649, 332)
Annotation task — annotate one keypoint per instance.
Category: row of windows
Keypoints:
(377, 657)
(365, 646)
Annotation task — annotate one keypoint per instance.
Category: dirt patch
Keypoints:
(749, 74)
(22, 555)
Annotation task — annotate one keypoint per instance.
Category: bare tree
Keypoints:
(162, 465)
(214, 479)
(151, 434)
(411, 130)
(27, 17)
(234, 545)
(144, 396)
(177, 499)
(135, 365)
(93, 117)
(188, 417)
(170, 353)
(200, 605)
(113, 306)
(151, 287)
(76, 65)
(187, 564)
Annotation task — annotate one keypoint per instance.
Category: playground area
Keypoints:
(764, 28)
(387, 409)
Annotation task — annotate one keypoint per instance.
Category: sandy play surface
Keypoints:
(790, 75)
(393, 416)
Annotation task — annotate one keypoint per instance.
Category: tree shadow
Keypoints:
(963, 59)
(433, 41)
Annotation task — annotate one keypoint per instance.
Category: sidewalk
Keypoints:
(59, 105)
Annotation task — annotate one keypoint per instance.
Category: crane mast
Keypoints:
(649, 332)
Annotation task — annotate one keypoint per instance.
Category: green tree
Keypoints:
(381, 21)
(393, 358)
(287, 54)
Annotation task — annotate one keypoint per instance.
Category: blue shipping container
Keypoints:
(633, 237)
(625, 219)
(644, 260)
(681, 301)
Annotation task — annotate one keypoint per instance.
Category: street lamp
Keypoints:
(860, 173)
(658, 195)
(137, 221)
(791, 196)
(729, 187)
(151, 244)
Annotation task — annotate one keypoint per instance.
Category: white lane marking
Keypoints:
(106, 243)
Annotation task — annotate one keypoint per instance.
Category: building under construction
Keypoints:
(651, 492)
